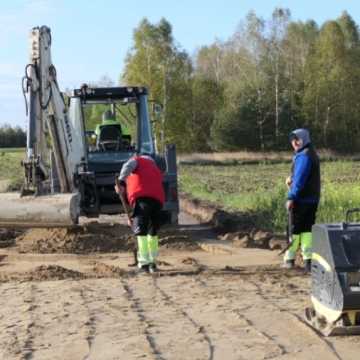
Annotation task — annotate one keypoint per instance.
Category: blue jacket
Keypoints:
(305, 187)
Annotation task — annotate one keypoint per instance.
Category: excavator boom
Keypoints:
(55, 148)
(66, 175)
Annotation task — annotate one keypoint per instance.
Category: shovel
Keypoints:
(127, 210)
(289, 230)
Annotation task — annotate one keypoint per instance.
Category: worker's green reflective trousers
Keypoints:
(305, 241)
(148, 249)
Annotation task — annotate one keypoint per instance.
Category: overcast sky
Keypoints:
(91, 38)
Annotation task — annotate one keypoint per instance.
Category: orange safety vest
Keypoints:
(145, 181)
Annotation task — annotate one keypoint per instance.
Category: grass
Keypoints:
(11, 171)
(259, 189)
(256, 187)
(12, 150)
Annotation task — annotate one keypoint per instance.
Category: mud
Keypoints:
(82, 240)
(222, 221)
(65, 294)
(43, 273)
(7, 237)
(90, 238)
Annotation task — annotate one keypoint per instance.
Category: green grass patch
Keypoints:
(12, 150)
(260, 189)
(11, 171)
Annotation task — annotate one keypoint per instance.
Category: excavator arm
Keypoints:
(54, 144)
(55, 148)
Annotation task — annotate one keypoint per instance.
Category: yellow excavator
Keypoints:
(65, 174)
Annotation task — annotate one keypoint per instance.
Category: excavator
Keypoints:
(69, 171)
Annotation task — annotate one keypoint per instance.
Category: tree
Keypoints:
(279, 23)
(157, 63)
(325, 82)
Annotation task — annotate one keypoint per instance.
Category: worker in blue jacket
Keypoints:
(303, 196)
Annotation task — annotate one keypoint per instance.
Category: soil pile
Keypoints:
(93, 237)
(43, 273)
(178, 242)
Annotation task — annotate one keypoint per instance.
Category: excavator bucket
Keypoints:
(335, 277)
(59, 210)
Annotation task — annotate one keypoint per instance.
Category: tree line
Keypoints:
(248, 91)
(12, 137)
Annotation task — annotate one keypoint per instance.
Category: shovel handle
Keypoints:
(289, 230)
(124, 204)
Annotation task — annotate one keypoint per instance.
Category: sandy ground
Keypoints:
(90, 305)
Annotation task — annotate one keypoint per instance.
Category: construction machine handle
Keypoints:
(347, 216)
(125, 205)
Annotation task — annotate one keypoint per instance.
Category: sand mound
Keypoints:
(92, 237)
(42, 273)
(82, 240)
(178, 242)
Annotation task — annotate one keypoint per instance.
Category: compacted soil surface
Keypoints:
(70, 294)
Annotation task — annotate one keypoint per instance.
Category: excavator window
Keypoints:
(110, 138)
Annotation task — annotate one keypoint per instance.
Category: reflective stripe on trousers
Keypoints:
(303, 239)
(153, 247)
(148, 249)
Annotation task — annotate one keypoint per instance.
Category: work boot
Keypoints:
(307, 265)
(143, 269)
(288, 264)
(152, 268)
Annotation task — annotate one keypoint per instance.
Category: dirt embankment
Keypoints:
(93, 237)
(90, 238)
(239, 227)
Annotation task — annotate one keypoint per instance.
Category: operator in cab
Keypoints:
(110, 134)
(108, 118)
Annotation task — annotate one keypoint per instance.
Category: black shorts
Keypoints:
(146, 216)
(304, 216)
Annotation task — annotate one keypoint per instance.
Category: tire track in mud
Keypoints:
(247, 273)
(23, 345)
(140, 309)
(239, 312)
(137, 307)
(200, 328)
(282, 349)
(27, 351)
(329, 346)
(15, 327)
(90, 323)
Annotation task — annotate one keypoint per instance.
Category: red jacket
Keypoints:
(145, 181)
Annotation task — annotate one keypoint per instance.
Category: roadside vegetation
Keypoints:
(11, 171)
(259, 188)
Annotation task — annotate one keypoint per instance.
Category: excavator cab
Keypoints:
(128, 107)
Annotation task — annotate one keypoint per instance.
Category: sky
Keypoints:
(92, 38)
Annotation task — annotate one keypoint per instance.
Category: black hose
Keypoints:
(24, 91)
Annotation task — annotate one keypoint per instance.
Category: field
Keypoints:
(11, 171)
(259, 188)
(242, 182)
(70, 294)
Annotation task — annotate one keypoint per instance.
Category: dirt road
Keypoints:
(91, 305)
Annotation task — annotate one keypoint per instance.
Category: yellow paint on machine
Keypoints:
(330, 315)
(317, 257)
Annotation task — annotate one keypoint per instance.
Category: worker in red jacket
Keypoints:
(142, 180)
